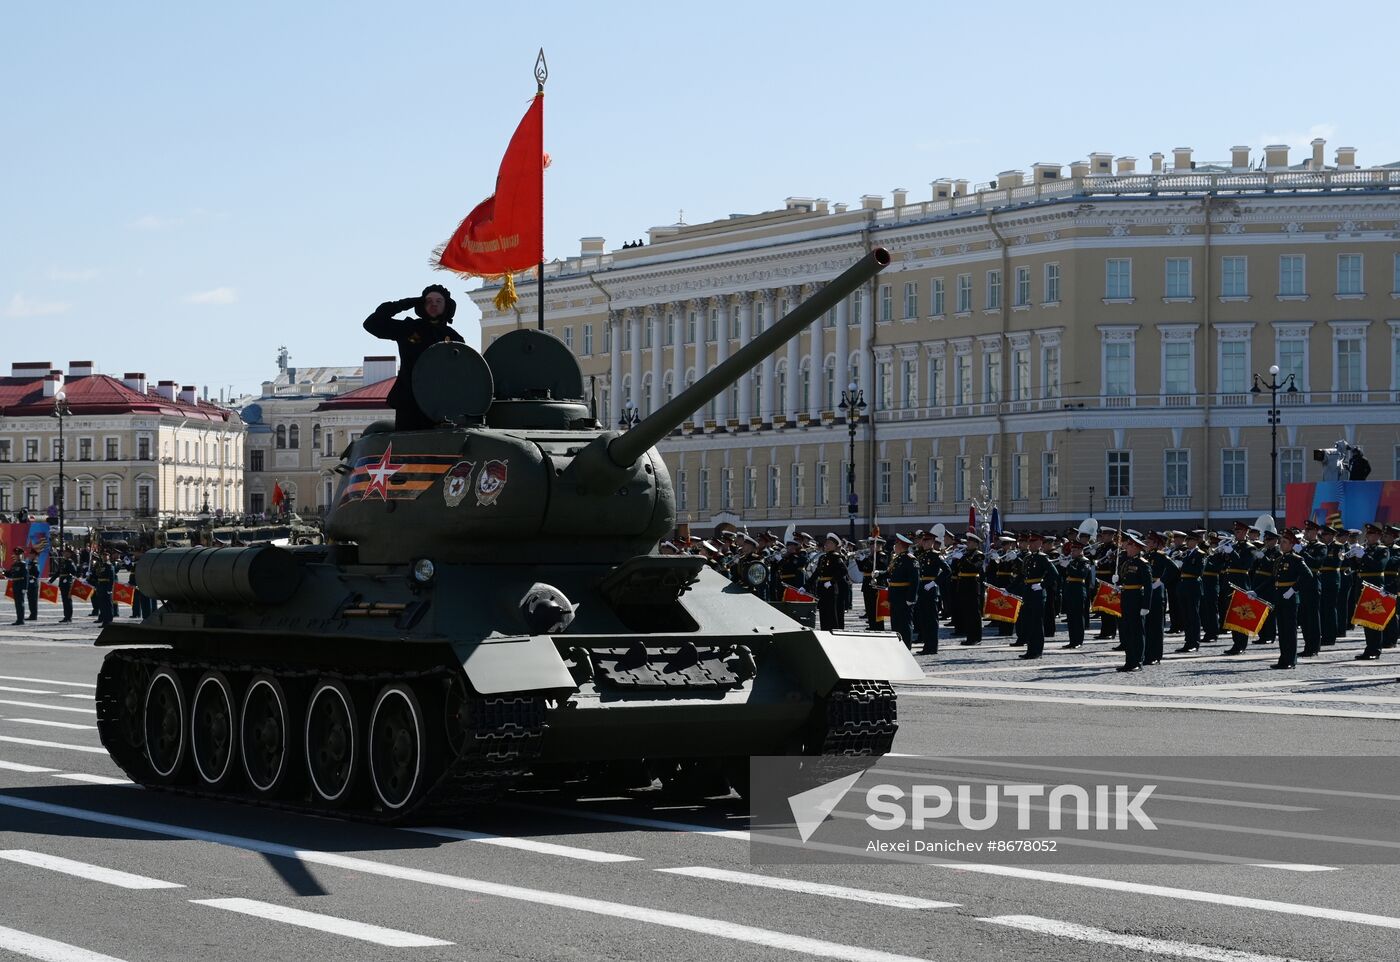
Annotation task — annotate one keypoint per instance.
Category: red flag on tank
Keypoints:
(1374, 608)
(505, 232)
(278, 495)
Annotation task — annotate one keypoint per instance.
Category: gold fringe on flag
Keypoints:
(506, 297)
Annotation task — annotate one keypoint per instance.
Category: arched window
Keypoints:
(294, 437)
(668, 386)
(644, 402)
(281, 436)
(316, 437)
(829, 385)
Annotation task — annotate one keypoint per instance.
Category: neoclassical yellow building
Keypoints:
(1086, 339)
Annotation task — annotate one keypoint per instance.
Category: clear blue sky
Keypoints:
(184, 187)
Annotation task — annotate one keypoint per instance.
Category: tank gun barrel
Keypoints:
(625, 449)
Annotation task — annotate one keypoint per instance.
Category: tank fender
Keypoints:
(822, 658)
(505, 663)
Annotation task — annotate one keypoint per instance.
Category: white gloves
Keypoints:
(1146, 612)
(1035, 587)
(1357, 551)
(1115, 579)
(1011, 555)
(1156, 584)
(1252, 596)
(1063, 562)
(1297, 548)
(1289, 594)
(957, 553)
(930, 586)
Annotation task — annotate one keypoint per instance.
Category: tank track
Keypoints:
(506, 734)
(861, 719)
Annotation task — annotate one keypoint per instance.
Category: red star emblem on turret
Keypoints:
(379, 475)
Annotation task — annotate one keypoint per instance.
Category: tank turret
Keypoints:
(525, 461)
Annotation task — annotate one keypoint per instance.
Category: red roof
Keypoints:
(371, 397)
(97, 394)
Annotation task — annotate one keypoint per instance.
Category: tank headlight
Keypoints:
(756, 574)
(423, 571)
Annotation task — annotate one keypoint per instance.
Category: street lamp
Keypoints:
(1091, 501)
(630, 416)
(852, 404)
(1273, 385)
(60, 411)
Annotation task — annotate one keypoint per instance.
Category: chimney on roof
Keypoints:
(1276, 157)
(80, 368)
(1127, 165)
(52, 382)
(1346, 158)
(961, 186)
(901, 196)
(872, 201)
(166, 389)
(1101, 162)
(1080, 168)
(1008, 179)
(30, 369)
(1239, 157)
(1157, 158)
(942, 188)
(188, 395)
(1318, 161)
(823, 206)
(136, 382)
(590, 246)
(1181, 158)
(841, 208)
(1045, 172)
(379, 368)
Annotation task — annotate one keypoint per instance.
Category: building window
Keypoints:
(1349, 274)
(1023, 286)
(798, 479)
(111, 495)
(704, 489)
(1233, 473)
(607, 338)
(884, 385)
(712, 325)
(31, 449)
(315, 437)
(936, 296)
(1178, 277)
(962, 378)
(569, 338)
(823, 484)
(1050, 371)
(1120, 474)
(681, 492)
(962, 476)
(1052, 283)
(143, 499)
(993, 290)
(1234, 277)
(751, 487)
(255, 459)
(7, 497)
(1350, 364)
(964, 293)
(935, 480)
(691, 325)
(829, 320)
(883, 478)
(587, 339)
(85, 448)
(84, 495)
(1118, 368)
(1176, 468)
(1176, 367)
(911, 481)
(1118, 279)
(1291, 281)
(886, 302)
(1049, 475)
(5, 451)
(113, 446)
(935, 380)
(991, 376)
(726, 489)
(31, 497)
(909, 377)
(1019, 465)
(646, 332)
(911, 300)
(257, 502)
(1234, 367)
(774, 481)
(1293, 359)
(989, 470)
(829, 384)
(56, 446)
(281, 436)
(1290, 467)
(1021, 374)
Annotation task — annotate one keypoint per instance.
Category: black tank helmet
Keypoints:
(448, 312)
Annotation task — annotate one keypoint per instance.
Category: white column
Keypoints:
(722, 308)
(701, 307)
(815, 357)
(746, 379)
(634, 326)
(678, 351)
(767, 400)
(614, 410)
(656, 369)
(792, 399)
(867, 336)
(843, 347)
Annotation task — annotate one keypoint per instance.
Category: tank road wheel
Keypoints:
(163, 720)
(213, 729)
(264, 735)
(121, 697)
(397, 747)
(331, 747)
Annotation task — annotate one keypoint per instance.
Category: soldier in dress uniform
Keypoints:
(1353, 553)
(1002, 571)
(18, 573)
(32, 587)
(932, 572)
(1314, 553)
(1105, 558)
(791, 568)
(64, 572)
(1134, 580)
(1078, 584)
(1188, 592)
(968, 574)
(1391, 583)
(1329, 580)
(1051, 611)
(1163, 576)
(1237, 575)
(1261, 578)
(872, 569)
(1035, 576)
(831, 572)
(1375, 558)
(902, 579)
(1212, 585)
(1292, 579)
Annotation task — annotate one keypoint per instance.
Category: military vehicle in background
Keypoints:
(491, 605)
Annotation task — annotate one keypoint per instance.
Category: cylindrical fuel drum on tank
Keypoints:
(262, 575)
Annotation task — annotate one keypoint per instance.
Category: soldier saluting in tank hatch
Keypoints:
(433, 311)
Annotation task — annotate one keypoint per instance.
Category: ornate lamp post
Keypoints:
(852, 404)
(1273, 385)
(630, 416)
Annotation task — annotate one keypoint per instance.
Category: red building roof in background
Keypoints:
(98, 394)
(371, 397)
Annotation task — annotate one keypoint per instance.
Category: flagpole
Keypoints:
(541, 75)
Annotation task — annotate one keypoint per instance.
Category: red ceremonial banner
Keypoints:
(81, 590)
(1245, 614)
(1001, 605)
(505, 232)
(48, 592)
(793, 595)
(1374, 608)
(123, 594)
(1108, 600)
(10, 590)
(882, 604)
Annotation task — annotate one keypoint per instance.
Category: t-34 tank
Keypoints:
(490, 605)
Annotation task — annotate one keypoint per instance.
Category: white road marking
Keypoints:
(528, 844)
(47, 950)
(95, 873)
(94, 779)
(51, 724)
(715, 928)
(38, 704)
(887, 899)
(639, 821)
(1137, 943)
(42, 744)
(1130, 703)
(48, 681)
(87, 697)
(1295, 868)
(323, 923)
(27, 769)
(26, 691)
